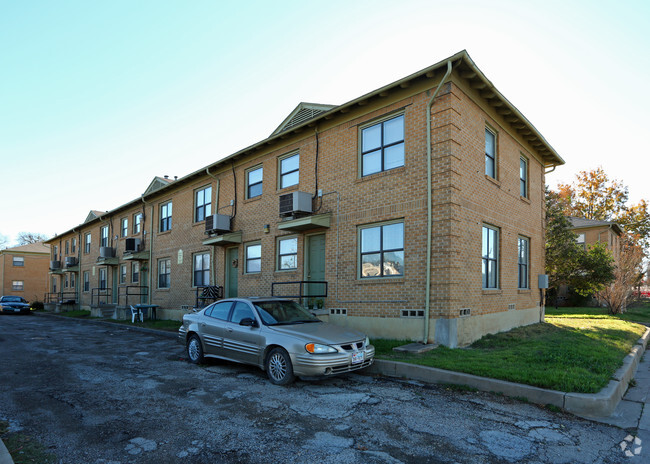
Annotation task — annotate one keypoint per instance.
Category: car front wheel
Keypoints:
(194, 350)
(279, 367)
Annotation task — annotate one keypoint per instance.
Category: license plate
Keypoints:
(357, 357)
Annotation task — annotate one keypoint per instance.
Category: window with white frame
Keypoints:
(18, 285)
(137, 223)
(523, 262)
(202, 204)
(382, 146)
(382, 250)
(18, 261)
(55, 252)
(135, 272)
(87, 243)
(490, 257)
(86, 281)
(287, 253)
(523, 177)
(103, 236)
(53, 284)
(102, 278)
(581, 241)
(253, 258)
(201, 269)
(122, 273)
(289, 170)
(490, 153)
(125, 227)
(165, 216)
(164, 273)
(254, 178)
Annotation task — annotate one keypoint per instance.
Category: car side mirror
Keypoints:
(248, 322)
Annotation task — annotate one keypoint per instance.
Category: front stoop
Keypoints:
(599, 404)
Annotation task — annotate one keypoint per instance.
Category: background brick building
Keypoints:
(23, 271)
(418, 208)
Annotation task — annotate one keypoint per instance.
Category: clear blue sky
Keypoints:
(97, 98)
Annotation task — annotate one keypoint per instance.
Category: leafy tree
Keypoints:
(586, 271)
(594, 196)
(25, 238)
(636, 222)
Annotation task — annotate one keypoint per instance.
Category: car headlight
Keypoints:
(367, 342)
(316, 348)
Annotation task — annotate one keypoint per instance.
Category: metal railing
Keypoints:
(125, 292)
(207, 294)
(61, 297)
(97, 293)
(311, 287)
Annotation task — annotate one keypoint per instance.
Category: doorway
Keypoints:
(232, 266)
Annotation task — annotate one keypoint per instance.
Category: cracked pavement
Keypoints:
(104, 395)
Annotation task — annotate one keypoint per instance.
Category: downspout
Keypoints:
(427, 302)
(150, 289)
(213, 264)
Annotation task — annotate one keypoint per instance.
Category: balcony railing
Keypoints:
(305, 289)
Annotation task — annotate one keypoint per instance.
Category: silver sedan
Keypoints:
(277, 335)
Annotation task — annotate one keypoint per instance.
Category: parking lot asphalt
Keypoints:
(102, 394)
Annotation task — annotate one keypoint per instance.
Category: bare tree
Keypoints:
(627, 275)
(4, 241)
(25, 238)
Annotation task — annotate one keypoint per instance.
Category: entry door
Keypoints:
(232, 266)
(315, 263)
(114, 276)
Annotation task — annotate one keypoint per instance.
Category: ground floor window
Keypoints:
(18, 285)
(253, 258)
(123, 273)
(201, 269)
(135, 272)
(86, 281)
(490, 257)
(523, 252)
(164, 273)
(287, 253)
(102, 278)
(382, 250)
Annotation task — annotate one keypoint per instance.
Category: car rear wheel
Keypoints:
(279, 367)
(194, 350)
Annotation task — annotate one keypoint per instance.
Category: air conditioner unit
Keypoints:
(132, 245)
(295, 202)
(70, 261)
(106, 252)
(55, 265)
(217, 223)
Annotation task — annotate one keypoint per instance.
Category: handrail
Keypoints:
(301, 284)
(100, 292)
(207, 293)
(124, 291)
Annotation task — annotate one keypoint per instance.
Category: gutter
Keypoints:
(427, 301)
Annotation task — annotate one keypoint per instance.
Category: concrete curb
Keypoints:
(5, 457)
(599, 404)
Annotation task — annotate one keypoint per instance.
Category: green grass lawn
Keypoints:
(639, 312)
(572, 352)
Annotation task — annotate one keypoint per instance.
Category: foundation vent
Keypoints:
(412, 313)
(185, 307)
(511, 306)
(464, 312)
(338, 311)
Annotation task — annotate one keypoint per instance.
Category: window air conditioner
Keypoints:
(70, 261)
(107, 252)
(217, 223)
(132, 245)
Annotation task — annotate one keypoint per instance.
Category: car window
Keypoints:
(220, 310)
(283, 312)
(241, 311)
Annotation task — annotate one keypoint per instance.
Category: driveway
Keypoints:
(101, 394)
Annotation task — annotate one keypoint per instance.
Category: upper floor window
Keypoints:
(288, 253)
(202, 204)
(103, 241)
(581, 241)
(165, 216)
(490, 257)
(523, 262)
(55, 251)
(88, 241)
(523, 177)
(73, 246)
(382, 146)
(125, 227)
(254, 179)
(19, 261)
(86, 281)
(253, 258)
(137, 223)
(201, 269)
(67, 247)
(164, 273)
(289, 170)
(490, 153)
(382, 250)
(123, 273)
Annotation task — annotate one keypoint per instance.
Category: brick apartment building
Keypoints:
(23, 271)
(590, 231)
(415, 211)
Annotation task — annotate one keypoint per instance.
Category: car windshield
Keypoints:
(283, 313)
(12, 299)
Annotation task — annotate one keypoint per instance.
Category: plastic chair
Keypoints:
(135, 312)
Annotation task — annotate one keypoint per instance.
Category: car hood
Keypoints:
(16, 304)
(319, 332)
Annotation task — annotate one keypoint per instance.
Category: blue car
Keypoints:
(14, 304)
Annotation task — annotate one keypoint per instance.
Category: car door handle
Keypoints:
(202, 324)
(229, 329)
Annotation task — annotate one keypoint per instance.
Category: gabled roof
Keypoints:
(93, 214)
(303, 113)
(156, 184)
(38, 247)
(582, 223)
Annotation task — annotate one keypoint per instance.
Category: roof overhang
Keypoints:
(307, 223)
(230, 238)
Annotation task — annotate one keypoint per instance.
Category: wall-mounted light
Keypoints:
(267, 228)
